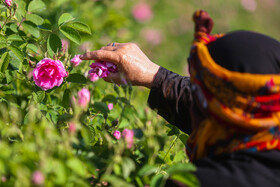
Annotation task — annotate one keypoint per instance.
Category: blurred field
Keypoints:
(172, 21)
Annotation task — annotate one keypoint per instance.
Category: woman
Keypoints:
(230, 105)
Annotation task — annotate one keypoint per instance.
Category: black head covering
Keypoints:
(245, 51)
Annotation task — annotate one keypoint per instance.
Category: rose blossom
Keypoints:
(142, 12)
(65, 45)
(76, 60)
(110, 106)
(152, 36)
(38, 178)
(83, 97)
(8, 2)
(72, 127)
(101, 70)
(249, 5)
(128, 136)
(117, 134)
(49, 73)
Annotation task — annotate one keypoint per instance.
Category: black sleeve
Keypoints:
(171, 97)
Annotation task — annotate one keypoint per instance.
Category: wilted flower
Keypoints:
(83, 97)
(152, 36)
(128, 136)
(72, 127)
(38, 178)
(8, 2)
(101, 70)
(142, 12)
(49, 73)
(76, 60)
(110, 106)
(117, 134)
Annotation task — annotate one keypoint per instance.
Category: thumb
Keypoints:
(101, 55)
(113, 77)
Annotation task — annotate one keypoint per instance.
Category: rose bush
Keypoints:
(57, 127)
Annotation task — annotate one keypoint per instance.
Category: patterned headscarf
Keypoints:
(242, 107)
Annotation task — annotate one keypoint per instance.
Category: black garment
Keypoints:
(171, 96)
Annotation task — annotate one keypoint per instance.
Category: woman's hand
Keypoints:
(133, 64)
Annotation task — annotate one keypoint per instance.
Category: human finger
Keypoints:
(113, 77)
(101, 55)
(114, 44)
(109, 48)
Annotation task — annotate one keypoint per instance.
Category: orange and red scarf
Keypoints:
(243, 109)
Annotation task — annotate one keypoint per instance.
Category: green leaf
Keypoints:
(17, 52)
(101, 107)
(76, 78)
(157, 181)
(127, 167)
(32, 47)
(5, 60)
(39, 96)
(15, 62)
(186, 178)
(115, 181)
(110, 98)
(38, 20)
(60, 172)
(77, 166)
(81, 27)
(14, 37)
(21, 9)
(64, 18)
(66, 98)
(46, 25)
(9, 76)
(183, 137)
(31, 28)
(54, 44)
(147, 170)
(36, 6)
(71, 34)
(14, 28)
(181, 168)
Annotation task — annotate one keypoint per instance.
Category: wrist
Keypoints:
(150, 75)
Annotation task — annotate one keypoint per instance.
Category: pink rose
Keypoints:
(72, 127)
(117, 134)
(110, 106)
(76, 60)
(83, 97)
(8, 2)
(65, 45)
(49, 73)
(249, 5)
(152, 36)
(92, 75)
(38, 178)
(128, 136)
(142, 12)
(101, 70)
